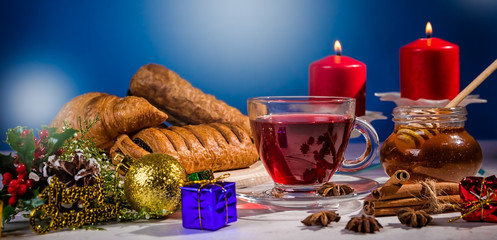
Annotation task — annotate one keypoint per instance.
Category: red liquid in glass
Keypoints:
(302, 149)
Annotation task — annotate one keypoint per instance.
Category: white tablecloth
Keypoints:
(261, 222)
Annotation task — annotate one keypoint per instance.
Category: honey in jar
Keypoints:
(431, 142)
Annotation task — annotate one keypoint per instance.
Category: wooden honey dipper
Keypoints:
(475, 83)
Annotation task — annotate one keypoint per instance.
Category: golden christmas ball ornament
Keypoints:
(152, 184)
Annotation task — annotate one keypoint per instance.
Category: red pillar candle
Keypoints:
(341, 76)
(429, 68)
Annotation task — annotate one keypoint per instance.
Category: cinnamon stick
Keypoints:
(394, 183)
(399, 177)
(389, 211)
(393, 211)
(407, 202)
(413, 190)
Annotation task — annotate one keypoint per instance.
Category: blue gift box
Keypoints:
(208, 206)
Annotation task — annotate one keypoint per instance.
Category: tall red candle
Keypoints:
(338, 75)
(429, 68)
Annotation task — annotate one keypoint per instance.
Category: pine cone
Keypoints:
(363, 224)
(330, 189)
(322, 218)
(409, 217)
(77, 172)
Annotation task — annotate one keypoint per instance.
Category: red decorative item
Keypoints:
(479, 198)
(429, 69)
(340, 76)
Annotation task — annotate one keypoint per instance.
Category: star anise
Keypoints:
(330, 189)
(363, 224)
(322, 218)
(412, 218)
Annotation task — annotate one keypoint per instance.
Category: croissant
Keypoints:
(117, 116)
(217, 146)
(183, 103)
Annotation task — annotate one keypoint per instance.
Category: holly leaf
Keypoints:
(7, 164)
(56, 140)
(8, 213)
(31, 203)
(23, 205)
(23, 145)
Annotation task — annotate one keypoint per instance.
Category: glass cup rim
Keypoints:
(301, 99)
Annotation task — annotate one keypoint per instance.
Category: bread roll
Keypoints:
(117, 116)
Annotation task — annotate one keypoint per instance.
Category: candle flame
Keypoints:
(428, 30)
(338, 48)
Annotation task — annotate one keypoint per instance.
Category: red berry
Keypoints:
(21, 168)
(22, 176)
(22, 189)
(37, 154)
(30, 183)
(25, 132)
(13, 200)
(11, 189)
(59, 152)
(7, 177)
(37, 141)
(43, 134)
(14, 184)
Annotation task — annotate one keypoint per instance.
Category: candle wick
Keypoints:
(428, 35)
(339, 53)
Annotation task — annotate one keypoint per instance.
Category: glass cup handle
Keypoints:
(372, 143)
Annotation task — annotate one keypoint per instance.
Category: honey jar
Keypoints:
(431, 142)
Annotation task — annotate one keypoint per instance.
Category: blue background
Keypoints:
(52, 51)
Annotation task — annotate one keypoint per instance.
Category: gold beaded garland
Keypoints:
(51, 216)
(152, 183)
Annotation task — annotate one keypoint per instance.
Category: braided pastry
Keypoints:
(218, 146)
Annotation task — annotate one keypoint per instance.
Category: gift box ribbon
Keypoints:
(483, 200)
(206, 182)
